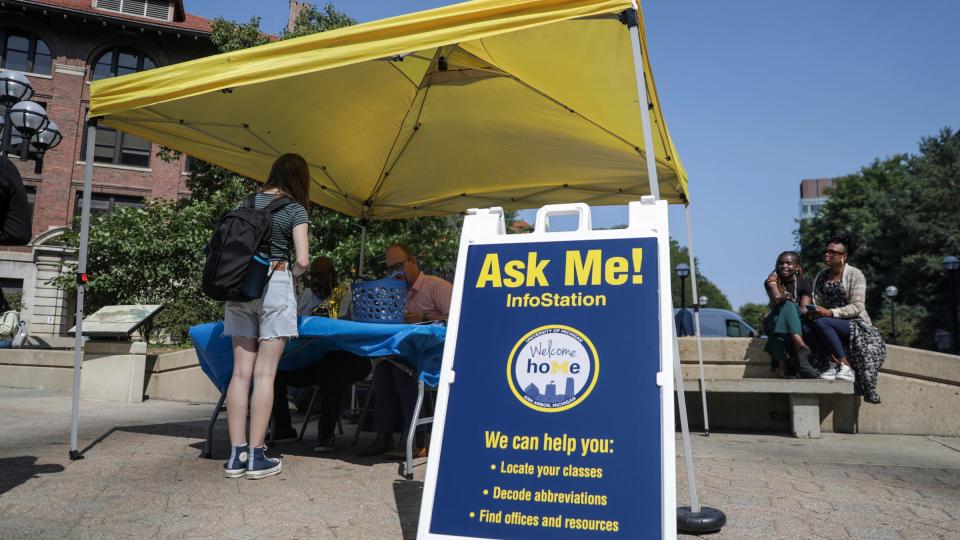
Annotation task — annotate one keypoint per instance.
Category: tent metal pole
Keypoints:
(81, 281)
(696, 318)
(684, 424)
(363, 247)
(644, 111)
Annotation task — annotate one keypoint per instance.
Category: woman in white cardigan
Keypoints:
(840, 328)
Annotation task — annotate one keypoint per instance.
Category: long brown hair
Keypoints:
(290, 175)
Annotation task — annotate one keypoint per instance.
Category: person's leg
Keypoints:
(407, 392)
(238, 391)
(281, 410)
(833, 332)
(384, 413)
(344, 369)
(261, 403)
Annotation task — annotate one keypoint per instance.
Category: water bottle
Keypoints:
(256, 278)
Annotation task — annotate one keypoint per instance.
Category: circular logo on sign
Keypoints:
(553, 368)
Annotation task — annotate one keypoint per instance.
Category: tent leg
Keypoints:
(693, 519)
(363, 247)
(696, 319)
(81, 278)
(644, 112)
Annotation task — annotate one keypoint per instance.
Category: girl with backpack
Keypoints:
(261, 327)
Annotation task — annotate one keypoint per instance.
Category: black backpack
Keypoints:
(238, 253)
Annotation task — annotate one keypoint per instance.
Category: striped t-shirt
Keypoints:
(284, 220)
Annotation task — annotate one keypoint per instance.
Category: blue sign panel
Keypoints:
(553, 423)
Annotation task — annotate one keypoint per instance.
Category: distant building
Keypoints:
(61, 46)
(814, 193)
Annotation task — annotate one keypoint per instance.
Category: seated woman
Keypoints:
(840, 328)
(788, 290)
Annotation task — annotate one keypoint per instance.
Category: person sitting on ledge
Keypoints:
(840, 328)
(788, 290)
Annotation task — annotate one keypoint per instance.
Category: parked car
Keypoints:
(714, 322)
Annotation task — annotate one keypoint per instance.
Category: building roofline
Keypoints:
(113, 18)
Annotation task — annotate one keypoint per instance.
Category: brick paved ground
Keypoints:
(142, 479)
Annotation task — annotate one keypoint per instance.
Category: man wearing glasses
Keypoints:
(428, 299)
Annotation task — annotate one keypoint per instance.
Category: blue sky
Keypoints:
(759, 95)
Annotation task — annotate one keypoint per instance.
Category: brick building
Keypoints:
(61, 45)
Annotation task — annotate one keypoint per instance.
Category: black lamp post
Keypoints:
(891, 293)
(683, 271)
(950, 266)
(24, 123)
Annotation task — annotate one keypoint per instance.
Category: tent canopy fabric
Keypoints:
(513, 103)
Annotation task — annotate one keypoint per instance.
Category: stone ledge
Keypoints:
(772, 386)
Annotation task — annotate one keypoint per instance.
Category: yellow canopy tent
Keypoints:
(514, 103)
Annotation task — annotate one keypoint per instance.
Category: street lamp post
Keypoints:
(24, 123)
(951, 264)
(891, 293)
(683, 271)
(703, 300)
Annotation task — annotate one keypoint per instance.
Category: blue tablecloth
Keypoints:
(420, 346)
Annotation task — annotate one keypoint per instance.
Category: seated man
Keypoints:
(428, 299)
(335, 372)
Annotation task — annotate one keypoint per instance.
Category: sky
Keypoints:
(759, 95)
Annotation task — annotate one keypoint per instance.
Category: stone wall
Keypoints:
(920, 392)
(920, 389)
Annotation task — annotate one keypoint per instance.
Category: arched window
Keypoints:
(120, 61)
(116, 147)
(24, 51)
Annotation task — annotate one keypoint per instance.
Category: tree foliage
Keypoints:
(904, 211)
(751, 313)
(705, 287)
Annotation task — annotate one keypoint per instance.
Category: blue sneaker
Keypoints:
(236, 466)
(261, 466)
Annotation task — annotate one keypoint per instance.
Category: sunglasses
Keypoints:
(835, 252)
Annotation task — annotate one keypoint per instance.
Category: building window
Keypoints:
(120, 61)
(118, 148)
(24, 51)
(12, 290)
(101, 203)
(154, 9)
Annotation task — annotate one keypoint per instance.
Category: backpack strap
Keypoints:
(249, 201)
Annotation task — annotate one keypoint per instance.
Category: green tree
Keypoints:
(903, 209)
(705, 287)
(311, 20)
(751, 313)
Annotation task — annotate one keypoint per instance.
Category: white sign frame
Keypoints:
(647, 219)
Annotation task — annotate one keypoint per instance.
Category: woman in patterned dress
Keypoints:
(840, 329)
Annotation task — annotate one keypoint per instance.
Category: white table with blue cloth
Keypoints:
(418, 346)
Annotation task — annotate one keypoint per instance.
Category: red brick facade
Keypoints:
(76, 38)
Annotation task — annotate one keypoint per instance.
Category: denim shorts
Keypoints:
(273, 315)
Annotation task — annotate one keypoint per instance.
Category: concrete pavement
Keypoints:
(142, 478)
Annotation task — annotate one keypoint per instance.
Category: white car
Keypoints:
(714, 322)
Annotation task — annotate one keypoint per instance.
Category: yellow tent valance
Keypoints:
(513, 103)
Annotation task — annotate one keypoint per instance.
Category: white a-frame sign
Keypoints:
(555, 410)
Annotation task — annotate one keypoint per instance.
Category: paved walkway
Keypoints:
(142, 478)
